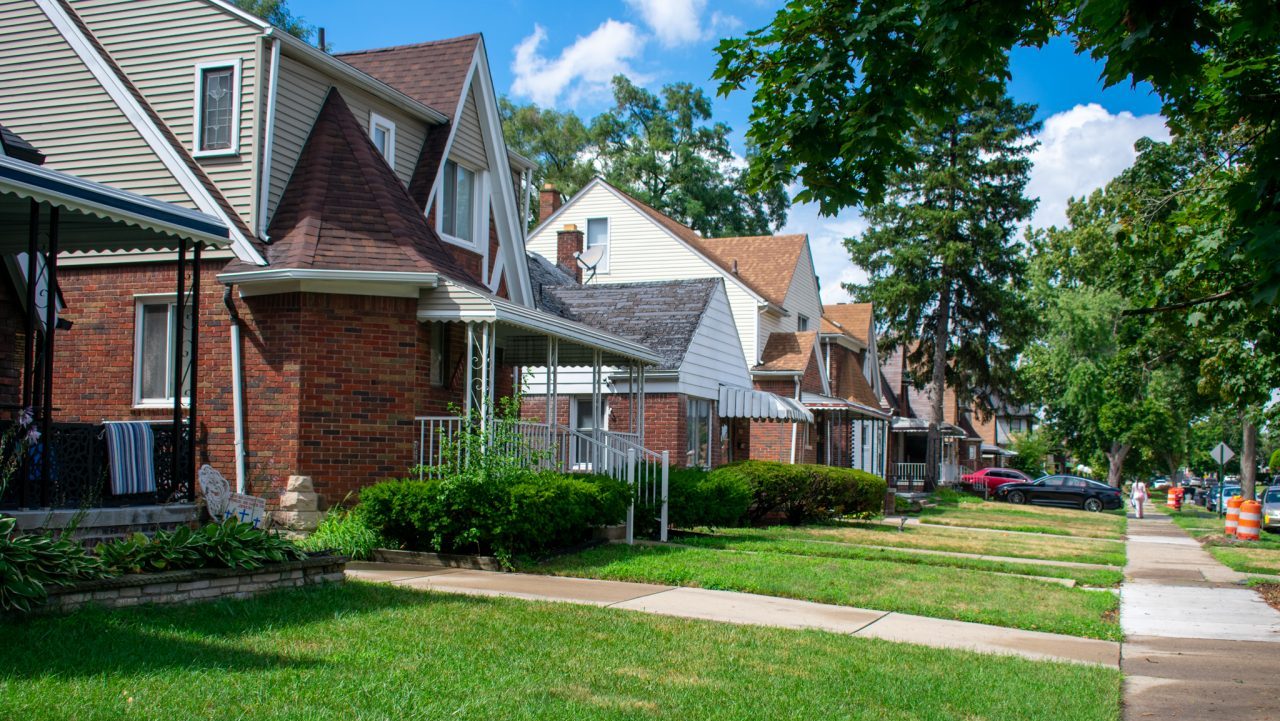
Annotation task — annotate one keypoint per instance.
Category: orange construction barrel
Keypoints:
(1233, 514)
(1175, 494)
(1250, 521)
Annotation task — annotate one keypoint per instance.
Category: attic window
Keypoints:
(217, 124)
(458, 209)
(802, 322)
(383, 134)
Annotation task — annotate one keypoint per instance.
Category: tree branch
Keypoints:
(1224, 295)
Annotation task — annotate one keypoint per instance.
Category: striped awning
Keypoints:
(819, 402)
(761, 406)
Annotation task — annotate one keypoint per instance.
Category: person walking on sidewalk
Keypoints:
(1138, 496)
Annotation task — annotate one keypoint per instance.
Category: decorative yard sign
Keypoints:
(246, 509)
(223, 504)
(1222, 453)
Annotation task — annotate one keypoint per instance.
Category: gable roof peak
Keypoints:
(434, 72)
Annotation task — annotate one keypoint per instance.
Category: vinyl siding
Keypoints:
(770, 323)
(802, 296)
(706, 366)
(640, 250)
(299, 97)
(51, 99)
(468, 138)
(158, 44)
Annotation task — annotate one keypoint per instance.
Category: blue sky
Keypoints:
(562, 54)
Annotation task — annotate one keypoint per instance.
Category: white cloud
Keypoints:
(583, 69)
(1080, 150)
(826, 240)
(674, 22)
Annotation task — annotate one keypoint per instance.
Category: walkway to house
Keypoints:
(746, 608)
(1198, 644)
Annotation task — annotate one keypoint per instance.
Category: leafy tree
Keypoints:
(558, 142)
(1274, 463)
(840, 90)
(944, 264)
(1032, 449)
(658, 147)
(277, 13)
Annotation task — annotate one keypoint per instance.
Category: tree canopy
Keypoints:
(840, 88)
(278, 13)
(660, 147)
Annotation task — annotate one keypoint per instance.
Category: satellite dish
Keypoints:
(590, 258)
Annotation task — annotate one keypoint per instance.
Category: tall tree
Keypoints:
(557, 142)
(841, 88)
(944, 262)
(277, 13)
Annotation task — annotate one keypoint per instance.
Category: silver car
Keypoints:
(1271, 508)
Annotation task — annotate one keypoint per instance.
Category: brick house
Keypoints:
(774, 298)
(375, 272)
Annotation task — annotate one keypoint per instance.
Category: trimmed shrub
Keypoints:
(698, 498)
(501, 515)
(804, 492)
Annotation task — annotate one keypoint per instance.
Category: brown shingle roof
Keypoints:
(858, 389)
(766, 263)
(345, 209)
(432, 73)
(852, 318)
(787, 352)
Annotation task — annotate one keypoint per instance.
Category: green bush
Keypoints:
(30, 563)
(804, 492)
(696, 497)
(497, 514)
(347, 532)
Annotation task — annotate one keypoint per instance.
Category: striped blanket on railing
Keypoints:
(130, 453)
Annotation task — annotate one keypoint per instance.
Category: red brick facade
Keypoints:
(12, 340)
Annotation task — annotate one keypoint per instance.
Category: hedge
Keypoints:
(496, 515)
(803, 492)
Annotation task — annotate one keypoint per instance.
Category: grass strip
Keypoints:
(368, 651)
(1027, 519)
(936, 591)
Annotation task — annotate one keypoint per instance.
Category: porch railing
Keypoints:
(79, 475)
(555, 447)
(908, 477)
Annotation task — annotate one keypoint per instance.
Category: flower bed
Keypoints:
(194, 585)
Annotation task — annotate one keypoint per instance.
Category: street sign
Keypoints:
(1222, 453)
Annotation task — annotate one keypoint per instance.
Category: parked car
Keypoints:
(1271, 509)
(1219, 495)
(1160, 483)
(993, 478)
(1067, 491)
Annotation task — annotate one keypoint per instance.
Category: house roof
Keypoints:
(787, 352)
(859, 390)
(853, 319)
(433, 73)
(765, 263)
(344, 208)
(661, 315)
(12, 145)
(545, 274)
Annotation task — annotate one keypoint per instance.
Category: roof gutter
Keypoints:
(422, 280)
(778, 374)
(330, 64)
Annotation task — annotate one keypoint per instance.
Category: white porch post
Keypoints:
(467, 389)
(596, 418)
(643, 368)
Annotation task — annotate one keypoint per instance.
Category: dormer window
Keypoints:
(802, 322)
(383, 134)
(458, 206)
(217, 120)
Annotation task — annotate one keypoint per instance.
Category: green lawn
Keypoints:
(1261, 556)
(792, 541)
(376, 652)
(1033, 519)
(1248, 559)
(954, 593)
(958, 540)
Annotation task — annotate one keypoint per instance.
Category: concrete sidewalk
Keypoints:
(1198, 645)
(746, 608)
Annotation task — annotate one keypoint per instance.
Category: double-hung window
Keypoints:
(598, 237)
(383, 134)
(155, 337)
(458, 211)
(217, 121)
(802, 322)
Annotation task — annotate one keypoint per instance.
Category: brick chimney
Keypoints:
(569, 242)
(548, 202)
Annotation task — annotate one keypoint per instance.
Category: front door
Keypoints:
(584, 423)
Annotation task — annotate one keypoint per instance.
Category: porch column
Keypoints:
(643, 368)
(467, 389)
(193, 369)
(29, 342)
(595, 407)
(50, 324)
(180, 307)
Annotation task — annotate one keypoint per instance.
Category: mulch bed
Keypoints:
(1270, 593)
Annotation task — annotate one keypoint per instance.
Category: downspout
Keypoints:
(268, 142)
(237, 389)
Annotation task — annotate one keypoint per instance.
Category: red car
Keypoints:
(993, 478)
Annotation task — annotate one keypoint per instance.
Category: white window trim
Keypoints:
(139, 302)
(608, 243)
(481, 206)
(234, 64)
(376, 120)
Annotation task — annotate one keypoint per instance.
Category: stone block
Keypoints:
(193, 585)
(299, 484)
(152, 589)
(294, 501)
(266, 577)
(302, 520)
(224, 582)
(129, 592)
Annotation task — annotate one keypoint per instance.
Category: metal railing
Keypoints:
(908, 477)
(554, 447)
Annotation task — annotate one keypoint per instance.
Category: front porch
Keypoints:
(910, 470)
